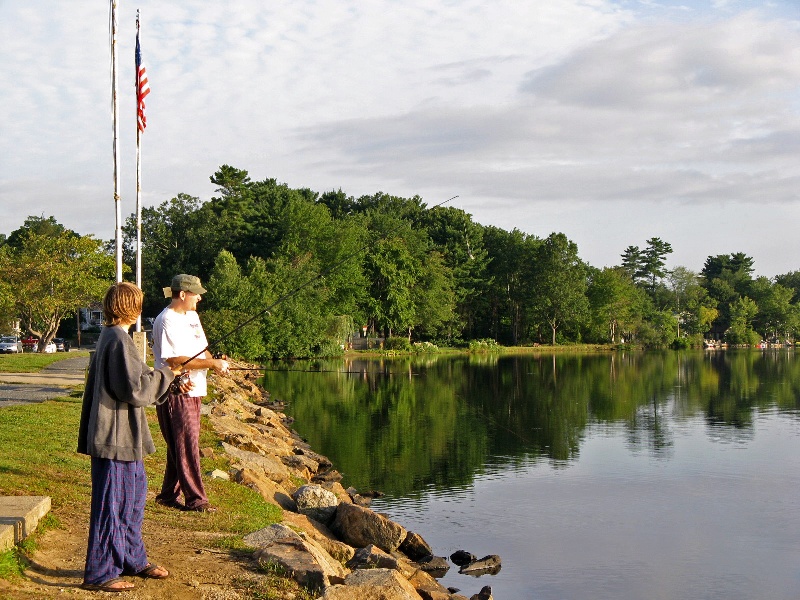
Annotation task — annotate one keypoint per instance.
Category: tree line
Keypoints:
(404, 271)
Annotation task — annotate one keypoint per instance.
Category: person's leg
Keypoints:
(136, 562)
(170, 489)
(105, 554)
(133, 516)
(186, 420)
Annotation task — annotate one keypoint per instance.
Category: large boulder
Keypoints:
(304, 561)
(269, 490)
(488, 565)
(269, 465)
(327, 476)
(427, 586)
(373, 584)
(268, 535)
(462, 558)
(360, 526)
(372, 557)
(316, 502)
(484, 594)
(415, 547)
(338, 489)
(302, 465)
(435, 565)
(320, 534)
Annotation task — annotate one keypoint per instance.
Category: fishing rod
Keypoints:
(288, 295)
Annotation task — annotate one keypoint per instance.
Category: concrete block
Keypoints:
(19, 516)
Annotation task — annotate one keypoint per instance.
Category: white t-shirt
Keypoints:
(176, 334)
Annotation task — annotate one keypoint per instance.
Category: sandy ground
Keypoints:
(197, 569)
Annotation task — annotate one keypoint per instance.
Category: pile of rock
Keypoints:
(330, 540)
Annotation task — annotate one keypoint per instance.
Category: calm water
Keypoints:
(624, 476)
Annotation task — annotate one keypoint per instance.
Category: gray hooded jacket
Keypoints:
(118, 387)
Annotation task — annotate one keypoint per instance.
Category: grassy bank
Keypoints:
(32, 362)
(496, 349)
(38, 458)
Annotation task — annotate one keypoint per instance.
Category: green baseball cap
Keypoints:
(184, 283)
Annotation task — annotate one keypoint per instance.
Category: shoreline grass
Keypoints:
(498, 349)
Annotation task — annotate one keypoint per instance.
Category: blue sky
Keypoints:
(612, 122)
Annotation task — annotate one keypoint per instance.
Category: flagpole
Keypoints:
(115, 103)
(138, 176)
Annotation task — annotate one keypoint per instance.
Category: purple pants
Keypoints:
(179, 419)
(119, 490)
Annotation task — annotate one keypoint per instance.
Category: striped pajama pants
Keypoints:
(119, 490)
(179, 420)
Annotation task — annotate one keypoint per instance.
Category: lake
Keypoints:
(652, 476)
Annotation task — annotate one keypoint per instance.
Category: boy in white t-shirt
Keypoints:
(178, 337)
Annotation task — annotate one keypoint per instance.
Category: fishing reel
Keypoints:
(180, 380)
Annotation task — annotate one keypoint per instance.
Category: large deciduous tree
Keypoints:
(776, 313)
(616, 303)
(559, 291)
(727, 278)
(174, 241)
(51, 275)
(743, 312)
(508, 284)
(459, 241)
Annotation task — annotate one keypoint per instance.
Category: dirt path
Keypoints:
(197, 570)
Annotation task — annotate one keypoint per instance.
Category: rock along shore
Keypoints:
(330, 541)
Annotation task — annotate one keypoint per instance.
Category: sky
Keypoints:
(612, 121)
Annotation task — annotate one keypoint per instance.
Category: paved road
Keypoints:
(51, 382)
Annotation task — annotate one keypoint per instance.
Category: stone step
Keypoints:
(19, 516)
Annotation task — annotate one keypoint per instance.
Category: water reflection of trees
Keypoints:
(404, 424)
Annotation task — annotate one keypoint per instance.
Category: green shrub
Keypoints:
(329, 349)
(398, 344)
(425, 348)
(681, 344)
(484, 345)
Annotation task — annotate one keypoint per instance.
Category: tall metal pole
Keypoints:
(138, 187)
(117, 161)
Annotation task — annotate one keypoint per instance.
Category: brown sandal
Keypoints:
(149, 572)
(107, 586)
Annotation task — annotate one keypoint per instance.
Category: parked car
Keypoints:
(10, 345)
(50, 348)
(61, 344)
(30, 343)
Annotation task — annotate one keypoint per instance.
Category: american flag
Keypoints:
(142, 86)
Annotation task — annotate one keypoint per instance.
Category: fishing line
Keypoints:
(322, 371)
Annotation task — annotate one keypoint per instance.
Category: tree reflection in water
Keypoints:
(404, 425)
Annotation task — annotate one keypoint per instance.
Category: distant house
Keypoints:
(91, 316)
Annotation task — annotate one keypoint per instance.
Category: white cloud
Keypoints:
(584, 106)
